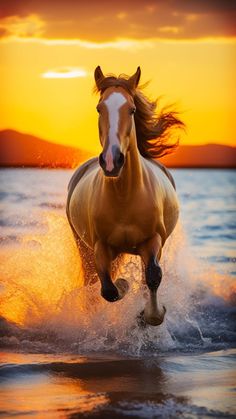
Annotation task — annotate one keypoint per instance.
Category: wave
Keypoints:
(170, 407)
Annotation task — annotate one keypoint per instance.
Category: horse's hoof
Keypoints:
(122, 286)
(155, 319)
(110, 294)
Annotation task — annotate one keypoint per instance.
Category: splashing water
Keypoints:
(47, 308)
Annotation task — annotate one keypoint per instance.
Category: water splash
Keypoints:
(47, 308)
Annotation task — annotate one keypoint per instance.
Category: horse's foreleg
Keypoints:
(103, 259)
(150, 251)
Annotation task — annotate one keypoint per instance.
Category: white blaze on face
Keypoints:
(113, 104)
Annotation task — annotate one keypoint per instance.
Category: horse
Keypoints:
(124, 201)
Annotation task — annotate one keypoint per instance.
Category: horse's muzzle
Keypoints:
(117, 164)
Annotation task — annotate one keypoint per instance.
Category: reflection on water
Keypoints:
(44, 308)
(44, 395)
(55, 386)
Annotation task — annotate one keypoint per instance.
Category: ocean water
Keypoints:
(67, 353)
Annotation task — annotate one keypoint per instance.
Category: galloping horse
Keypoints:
(124, 201)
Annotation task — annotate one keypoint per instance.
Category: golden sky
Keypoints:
(49, 50)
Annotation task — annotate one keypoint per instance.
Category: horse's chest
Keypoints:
(125, 230)
(125, 235)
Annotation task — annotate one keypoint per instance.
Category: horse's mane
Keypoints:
(153, 129)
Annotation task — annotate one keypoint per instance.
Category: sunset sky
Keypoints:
(49, 50)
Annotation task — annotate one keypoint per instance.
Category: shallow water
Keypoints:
(111, 386)
(67, 353)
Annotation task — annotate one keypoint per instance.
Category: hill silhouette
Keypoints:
(208, 155)
(18, 149)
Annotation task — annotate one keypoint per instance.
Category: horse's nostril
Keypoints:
(113, 162)
(101, 160)
(121, 159)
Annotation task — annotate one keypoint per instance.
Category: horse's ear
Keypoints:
(134, 80)
(99, 76)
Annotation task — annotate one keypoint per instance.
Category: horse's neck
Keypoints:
(131, 177)
(132, 172)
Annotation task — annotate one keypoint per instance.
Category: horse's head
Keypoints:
(116, 110)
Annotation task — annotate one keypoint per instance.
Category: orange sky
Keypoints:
(49, 51)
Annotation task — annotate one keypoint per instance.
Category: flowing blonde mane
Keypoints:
(154, 128)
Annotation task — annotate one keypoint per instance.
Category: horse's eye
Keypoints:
(132, 111)
(98, 109)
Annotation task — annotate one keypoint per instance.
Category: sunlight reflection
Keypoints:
(48, 396)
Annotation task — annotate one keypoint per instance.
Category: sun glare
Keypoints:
(64, 73)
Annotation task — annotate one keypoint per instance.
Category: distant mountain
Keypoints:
(17, 149)
(209, 155)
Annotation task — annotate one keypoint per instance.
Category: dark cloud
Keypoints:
(203, 6)
(105, 20)
(15, 8)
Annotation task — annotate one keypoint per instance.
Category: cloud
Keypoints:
(170, 29)
(119, 44)
(104, 21)
(22, 27)
(65, 73)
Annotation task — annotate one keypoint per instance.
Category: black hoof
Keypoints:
(110, 293)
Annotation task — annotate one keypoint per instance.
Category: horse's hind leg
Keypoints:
(103, 259)
(150, 251)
